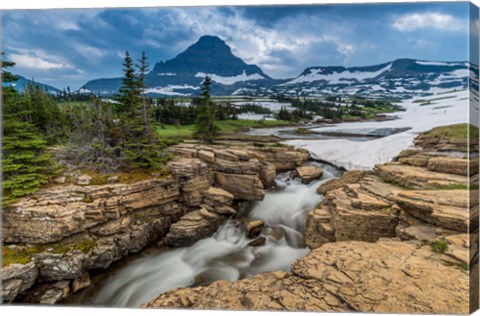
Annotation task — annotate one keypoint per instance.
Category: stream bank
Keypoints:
(64, 231)
(230, 254)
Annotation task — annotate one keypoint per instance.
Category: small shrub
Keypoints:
(439, 246)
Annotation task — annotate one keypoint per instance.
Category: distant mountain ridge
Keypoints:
(210, 55)
(402, 77)
(22, 83)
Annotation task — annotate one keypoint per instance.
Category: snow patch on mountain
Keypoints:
(231, 80)
(439, 63)
(170, 90)
(316, 74)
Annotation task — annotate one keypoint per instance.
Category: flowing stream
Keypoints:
(226, 255)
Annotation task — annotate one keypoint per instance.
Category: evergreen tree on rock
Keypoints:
(205, 128)
(141, 146)
(26, 164)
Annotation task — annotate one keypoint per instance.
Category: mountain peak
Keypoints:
(210, 39)
(209, 55)
(208, 46)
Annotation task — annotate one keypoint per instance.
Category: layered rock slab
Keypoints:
(192, 227)
(345, 276)
(52, 214)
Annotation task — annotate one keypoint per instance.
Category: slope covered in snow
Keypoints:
(443, 109)
(335, 77)
(232, 79)
(402, 78)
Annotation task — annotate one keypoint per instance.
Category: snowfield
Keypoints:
(170, 90)
(337, 77)
(367, 154)
(439, 63)
(230, 80)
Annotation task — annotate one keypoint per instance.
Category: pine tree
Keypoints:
(141, 146)
(205, 128)
(142, 72)
(26, 165)
(129, 92)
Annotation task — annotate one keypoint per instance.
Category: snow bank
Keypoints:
(170, 90)
(338, 77)
(366, 154)
(230, 80)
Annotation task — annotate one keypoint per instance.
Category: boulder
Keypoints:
(254, 228)
(216, 197)
(309, 173)
(17, 278)
(58, 267)
(245, 187)
(191, 227)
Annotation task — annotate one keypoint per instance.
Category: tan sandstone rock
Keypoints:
(309, 173)
(192, 227)
(387, 276)
(245, 187)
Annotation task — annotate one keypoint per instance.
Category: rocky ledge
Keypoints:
(346, 276)
(54, 237)
(400, 238)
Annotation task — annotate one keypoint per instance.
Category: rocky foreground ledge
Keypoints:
(54, 237)
(399, 238)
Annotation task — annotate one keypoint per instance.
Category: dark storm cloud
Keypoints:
(69, 47)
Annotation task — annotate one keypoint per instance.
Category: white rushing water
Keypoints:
(226, 255)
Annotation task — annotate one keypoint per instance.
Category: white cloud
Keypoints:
(32, 62)
(435, 20)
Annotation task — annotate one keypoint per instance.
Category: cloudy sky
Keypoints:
(70, 47)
